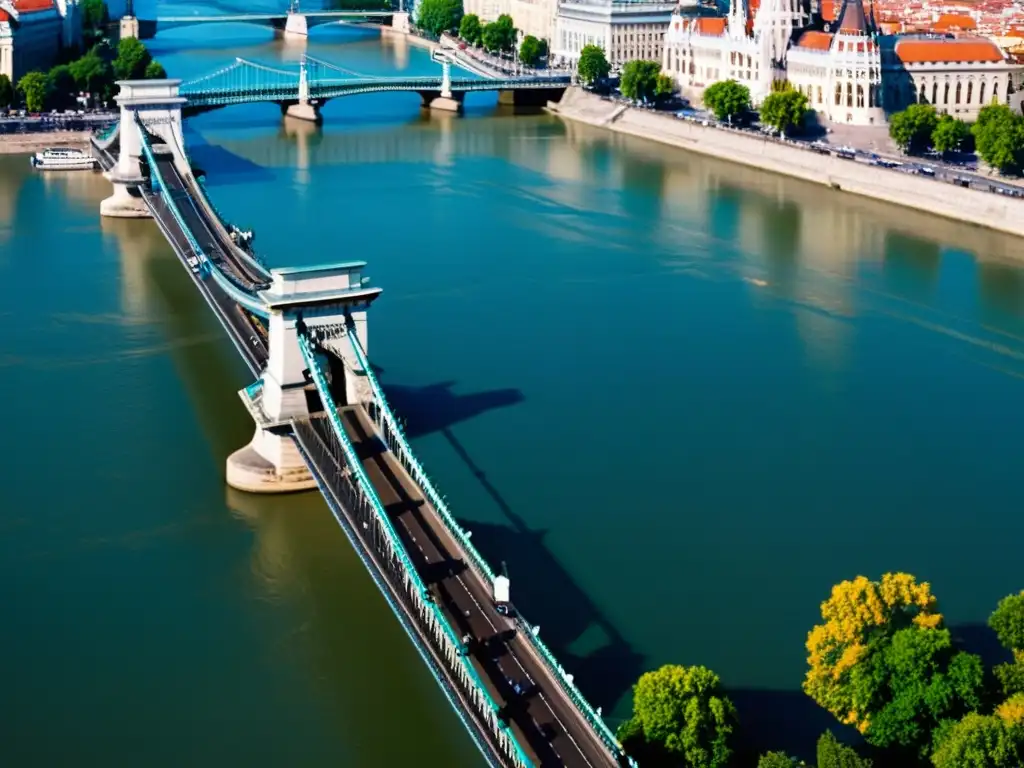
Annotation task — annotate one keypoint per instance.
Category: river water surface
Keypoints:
(679, 399)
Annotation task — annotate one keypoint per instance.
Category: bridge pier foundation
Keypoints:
(400, 22)
(270, 463)
(125, 203)
(433, 100)
(296, 27)
(303, 111)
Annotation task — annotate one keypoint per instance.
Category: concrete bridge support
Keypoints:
(303, 109)
(443, 100)
(296, 27)
(316, 297)
(157, 104)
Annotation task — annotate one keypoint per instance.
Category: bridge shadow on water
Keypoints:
(549, 597)
(223, 167)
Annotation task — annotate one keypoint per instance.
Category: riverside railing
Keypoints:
(401, 449)
(426, 609)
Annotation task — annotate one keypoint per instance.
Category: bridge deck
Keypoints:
(545, 722)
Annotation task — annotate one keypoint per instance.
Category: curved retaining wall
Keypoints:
(985, 209)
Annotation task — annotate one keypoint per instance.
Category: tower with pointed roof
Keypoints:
(855, 69)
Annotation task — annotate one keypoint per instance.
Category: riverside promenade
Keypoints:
(973, 206)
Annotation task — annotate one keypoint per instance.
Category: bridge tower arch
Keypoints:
(154, 106)
(323, 301)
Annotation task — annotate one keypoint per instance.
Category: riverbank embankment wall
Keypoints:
(986, 209)
(24, 143)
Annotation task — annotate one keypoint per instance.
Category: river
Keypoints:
(678, 398)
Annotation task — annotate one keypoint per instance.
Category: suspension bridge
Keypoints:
(291, 23)
(303, 87)
(323, 421)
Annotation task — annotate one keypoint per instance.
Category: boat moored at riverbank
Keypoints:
(63, 159)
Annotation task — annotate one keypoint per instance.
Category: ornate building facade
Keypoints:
(625, 29)
(848, 71)
(32, 33)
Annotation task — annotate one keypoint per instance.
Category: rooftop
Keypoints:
(960, 51)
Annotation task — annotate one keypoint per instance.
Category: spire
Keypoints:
(852, 21)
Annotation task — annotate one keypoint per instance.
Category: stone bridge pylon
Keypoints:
(154, 106)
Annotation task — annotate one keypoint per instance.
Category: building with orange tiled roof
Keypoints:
(32, 33)
(852, 69)
(958, 76)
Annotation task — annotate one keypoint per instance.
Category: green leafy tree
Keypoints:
(1010, 677)
(94, 18)
(155, 71)
(680, 712)
(832, 754)
(950, 135)
(593, 65)
(980, 741)
(784, 110)
(912, 128)
(776, 760)
(639, 79)
(999, 137)
(908, 685)
(92, 73)
(6, 92)
(437, 16)
(61, 86)
(1007, 621)
(664, 86)
(499, 35)
(470, 29)
(530, 51)
(727, 99)
(132, 59)
(34, 88)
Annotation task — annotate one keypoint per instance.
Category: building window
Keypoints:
(839, 93)
(849, 95)
(820, 101)
(970, 90)
(945, 94)
(957, 91)
(860, 95)
(921, 97)
(935, 93)
(981, 93)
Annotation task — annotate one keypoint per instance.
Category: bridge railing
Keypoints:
(427, 610)
(400, 447)
(237, 293)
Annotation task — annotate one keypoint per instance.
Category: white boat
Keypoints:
(63, 159)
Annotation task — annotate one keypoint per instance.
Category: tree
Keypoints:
(980, 741)
(639, 78)
(6, 92)
(912, 128)
(132, 59)
(907, 685)
(94, 18)
(776, 760)
(664, 87)
(499, 35)
(593, 65)
(832, 754)
(155, 71)
(1007, 621)
(784, 110)
(61, 86)
(999, 137)
(1011, 711)
(682, 713)
(470, 29)
(35, 88)
(950, 135)
(530, 51)
(1010, 677)
(437, 16)
(92, 73)
(727, 99)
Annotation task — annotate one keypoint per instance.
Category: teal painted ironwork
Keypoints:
(418, 589)
(247, 300)
(245, 81)
(404, 453)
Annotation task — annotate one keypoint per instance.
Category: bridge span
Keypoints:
(322, 420)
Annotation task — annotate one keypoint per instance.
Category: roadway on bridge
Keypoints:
(544, 721)
(244, 328)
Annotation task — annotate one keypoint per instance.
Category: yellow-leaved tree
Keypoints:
(1012, 710)
(858, 613)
